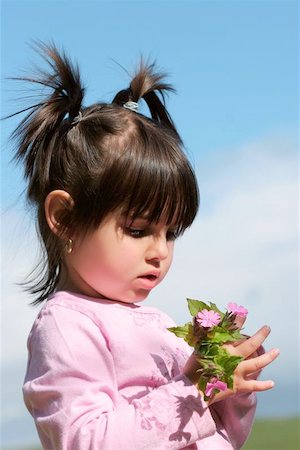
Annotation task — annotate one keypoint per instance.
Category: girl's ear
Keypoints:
(56, 203)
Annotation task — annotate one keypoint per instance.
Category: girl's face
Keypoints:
(121, 260)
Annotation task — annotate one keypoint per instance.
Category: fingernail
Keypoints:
(275, 351)
(267, 328)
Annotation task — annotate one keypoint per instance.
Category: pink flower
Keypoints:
(237, 310)
(208, 318)
(216, 384)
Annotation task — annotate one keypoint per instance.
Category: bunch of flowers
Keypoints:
(209, 329)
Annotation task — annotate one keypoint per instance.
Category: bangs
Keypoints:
(161, 193)
(155, 182)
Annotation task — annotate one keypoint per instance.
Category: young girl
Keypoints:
(113, 190)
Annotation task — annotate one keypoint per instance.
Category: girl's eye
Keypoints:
(135, 232)
(142, 232)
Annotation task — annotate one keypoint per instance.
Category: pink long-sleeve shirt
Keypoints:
(103, 375)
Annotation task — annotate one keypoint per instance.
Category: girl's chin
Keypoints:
(137, 298)
(132, 297)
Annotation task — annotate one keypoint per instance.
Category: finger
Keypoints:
(254, 365)
(239, 321)
(236, 343)
(249, 346)
(254, 386)
(253, 376)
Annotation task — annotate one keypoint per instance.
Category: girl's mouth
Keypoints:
(148, 281)
(149, 277)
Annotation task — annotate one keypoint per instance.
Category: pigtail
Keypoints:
(42, 146)
(38, 131)
(147, 84)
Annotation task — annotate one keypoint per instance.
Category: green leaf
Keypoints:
(220, 336)
(214, 307)
(181, 331)
(202, 384)
(195, 306)
(191, 339)
(237, 335)
(229, 382)
(227, 361)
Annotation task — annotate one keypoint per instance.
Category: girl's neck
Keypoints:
(67, 283)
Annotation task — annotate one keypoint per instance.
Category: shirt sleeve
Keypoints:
(71, 390)
(234, 416)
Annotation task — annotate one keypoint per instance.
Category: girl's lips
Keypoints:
(148, 281)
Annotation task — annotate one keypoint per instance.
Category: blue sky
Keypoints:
(235, 67)
(234, 63)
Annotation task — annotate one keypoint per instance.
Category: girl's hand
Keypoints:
(244, 379)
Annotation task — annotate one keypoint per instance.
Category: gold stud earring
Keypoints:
(69, 246)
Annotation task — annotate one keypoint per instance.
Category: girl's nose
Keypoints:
(158, 249)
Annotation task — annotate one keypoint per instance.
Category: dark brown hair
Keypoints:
(105, 156)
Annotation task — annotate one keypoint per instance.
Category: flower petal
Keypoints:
(217, 384)
(237, 310)
(208, 318)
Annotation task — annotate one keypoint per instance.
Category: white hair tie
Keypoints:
(77, 119)
(133, 106)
